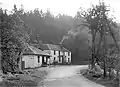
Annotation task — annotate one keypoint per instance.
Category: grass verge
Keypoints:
(106, 82)
(35, 79)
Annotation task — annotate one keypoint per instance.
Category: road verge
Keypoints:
(105, 82)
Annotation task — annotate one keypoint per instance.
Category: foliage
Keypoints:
(13, 39)
(104, 32)
(102, 29)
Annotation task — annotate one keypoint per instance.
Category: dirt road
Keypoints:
(66, 76)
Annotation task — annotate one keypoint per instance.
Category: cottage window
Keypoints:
(68, 53)
(38, 59)
(69, 60)
(59, 52)
(54, 52)
(45, 59)
(59, 59)
(54, 58)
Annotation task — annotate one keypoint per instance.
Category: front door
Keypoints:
(23, 65)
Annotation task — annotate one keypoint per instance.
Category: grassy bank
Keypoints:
(34, 79)
(106, 82)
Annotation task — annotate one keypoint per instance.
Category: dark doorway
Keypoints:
(23, 65)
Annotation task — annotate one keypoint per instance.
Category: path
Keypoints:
(66, 76)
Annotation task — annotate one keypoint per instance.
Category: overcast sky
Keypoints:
(69, 7)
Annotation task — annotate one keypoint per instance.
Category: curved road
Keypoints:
(66, 76)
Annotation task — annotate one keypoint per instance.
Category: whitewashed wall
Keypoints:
(68, 56)
(61, 53)
(52, 57)
(36, 61)
(29, 61)
(57, 54)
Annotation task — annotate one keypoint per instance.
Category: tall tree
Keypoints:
(100, 25)
(13, 40)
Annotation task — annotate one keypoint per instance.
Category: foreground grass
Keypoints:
(105, 82)
(33, 80)
(18, 84)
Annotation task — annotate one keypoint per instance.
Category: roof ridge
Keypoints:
(56, 46)
(31, 49)
(53, 44)
(66, 49)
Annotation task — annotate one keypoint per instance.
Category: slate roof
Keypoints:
(53, 47)
(44, 47)
(38, 51)
(35, 51)
(28, 51)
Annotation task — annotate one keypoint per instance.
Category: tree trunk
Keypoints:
(92, 62)
(0, 63)
(112, 34)
(104, 74)
(98, 48)
(109, 73)
(93, 50)
(105, 50)
(20, 61)
(117, 78)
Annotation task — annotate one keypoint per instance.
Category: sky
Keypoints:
(68, 7)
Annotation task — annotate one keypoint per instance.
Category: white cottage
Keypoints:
(58, 54)
(34, 57)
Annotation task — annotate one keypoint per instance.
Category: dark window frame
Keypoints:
(54, 52)
(54, 58)
(68, 59)
(59, 59)
(68, 53)
(59, 53)
(38, 59)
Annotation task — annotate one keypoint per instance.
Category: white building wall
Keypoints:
(40, 61)
(68, 56)
(36, 61)
(54, 56)
(29, 61)
(61, 53)
(57, 54)
(49, 51)
(32, 61)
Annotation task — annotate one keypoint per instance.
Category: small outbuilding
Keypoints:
(34, 57)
